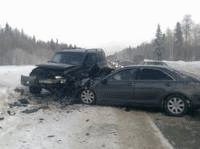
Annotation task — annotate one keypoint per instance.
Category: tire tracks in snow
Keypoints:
(110, 127)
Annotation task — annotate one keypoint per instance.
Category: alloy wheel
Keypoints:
(176, 106)
(87, 96)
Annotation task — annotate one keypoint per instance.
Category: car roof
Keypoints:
(146, 66)
(161, 67)
(151, 60)
(82, 50)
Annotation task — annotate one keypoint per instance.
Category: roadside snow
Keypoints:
(192, 66)
(10, 75)
(10, 79)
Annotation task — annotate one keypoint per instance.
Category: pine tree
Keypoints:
(169, 44)
(158, 43)
(7, 28)
(178, 42)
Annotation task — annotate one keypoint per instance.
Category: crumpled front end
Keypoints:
(27, 81)
(33, 80)
(46, 78)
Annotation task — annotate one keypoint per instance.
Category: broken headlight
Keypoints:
(61, 79)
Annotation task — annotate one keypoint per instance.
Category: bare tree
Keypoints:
(195, 41)
(187, 26)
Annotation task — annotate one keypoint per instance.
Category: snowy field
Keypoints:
(10, 79)
(75, 126)
(192, 67)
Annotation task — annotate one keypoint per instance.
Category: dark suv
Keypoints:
(68, 71)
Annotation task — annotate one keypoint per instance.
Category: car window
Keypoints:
(185, 75)
(151, 74)
(101, 57)
(90, 59)
(125, 75)
(57, 58)
(73, 58)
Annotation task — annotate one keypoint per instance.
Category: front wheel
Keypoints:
(176, 105)
(87, 96)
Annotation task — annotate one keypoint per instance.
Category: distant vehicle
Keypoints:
(65, 72)
(154, 62)
(145, 85)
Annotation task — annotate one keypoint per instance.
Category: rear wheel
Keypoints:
(176, 105)
(87, 96)
(35, 89)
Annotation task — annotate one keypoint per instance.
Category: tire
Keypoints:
(176, 105)
(35, 89)
(88, 97)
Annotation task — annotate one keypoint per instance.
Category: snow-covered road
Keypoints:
(75, 126)
(80, 126)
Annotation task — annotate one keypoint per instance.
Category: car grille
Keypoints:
(46, 73)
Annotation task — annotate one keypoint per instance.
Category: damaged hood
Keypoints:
(56, 66)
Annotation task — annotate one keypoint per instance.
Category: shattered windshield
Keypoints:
(73, 58)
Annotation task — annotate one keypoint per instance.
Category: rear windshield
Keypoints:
(186, 75)
(71, 58)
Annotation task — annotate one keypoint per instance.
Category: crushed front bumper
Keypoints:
(27, 81)
(32, 80)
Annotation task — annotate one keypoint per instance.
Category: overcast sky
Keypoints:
(109, 24)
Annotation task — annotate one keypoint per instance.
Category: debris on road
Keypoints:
(19, 90)
(11, 113)
(28, 111)
(51, 136)
(20, 102)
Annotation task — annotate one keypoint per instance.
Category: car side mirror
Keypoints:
(104, 81)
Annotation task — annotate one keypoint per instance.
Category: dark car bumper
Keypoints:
(32, 80)
(195, 104)
(195, 101)
(27, 81)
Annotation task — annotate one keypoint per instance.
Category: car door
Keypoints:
(117, 88)
(151, 85)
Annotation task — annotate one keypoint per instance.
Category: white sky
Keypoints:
(109, 24)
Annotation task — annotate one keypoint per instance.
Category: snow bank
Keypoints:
(10, 79)
(10, 75)
(191, 66)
